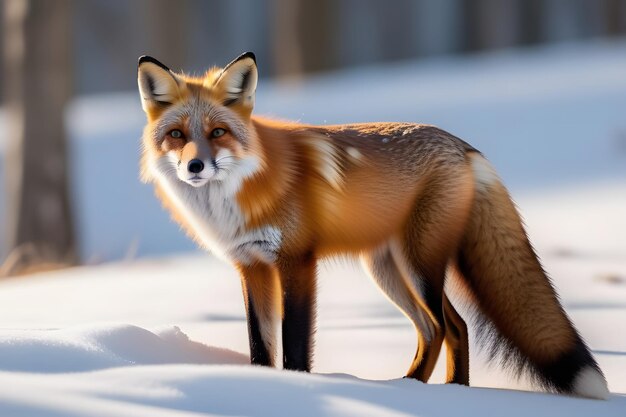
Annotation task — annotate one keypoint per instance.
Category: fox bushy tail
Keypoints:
(529, 330)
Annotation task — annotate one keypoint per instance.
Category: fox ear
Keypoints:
(158, 85)
(238, 81)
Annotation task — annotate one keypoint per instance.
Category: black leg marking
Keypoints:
(260, 289)
(259, 354)
(299, 292)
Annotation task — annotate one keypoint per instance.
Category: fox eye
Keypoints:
(176, 134)
(216, 133)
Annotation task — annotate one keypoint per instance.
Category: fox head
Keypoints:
(199, 127)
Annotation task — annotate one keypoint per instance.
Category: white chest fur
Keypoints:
(217, 220)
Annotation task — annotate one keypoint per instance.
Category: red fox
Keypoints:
(414, 202)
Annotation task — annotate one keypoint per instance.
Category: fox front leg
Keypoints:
(261, 296)
(298, 281)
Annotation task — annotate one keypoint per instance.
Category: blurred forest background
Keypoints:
(295, 36)
(55, 51)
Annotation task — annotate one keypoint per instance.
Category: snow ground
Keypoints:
(167, 336)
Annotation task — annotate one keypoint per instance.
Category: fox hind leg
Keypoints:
(429, 288)
(457, 345)
(423, 251)
(381, 266)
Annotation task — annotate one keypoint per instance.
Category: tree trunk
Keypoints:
(37, 82)
(155, 19)
(286, 49)
(303, 36)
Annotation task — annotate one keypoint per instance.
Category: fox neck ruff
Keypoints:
(215, 216)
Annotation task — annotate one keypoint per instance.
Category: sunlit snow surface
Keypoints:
(66, 347)
(167, 336)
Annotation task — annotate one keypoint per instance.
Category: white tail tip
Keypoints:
(591, 384)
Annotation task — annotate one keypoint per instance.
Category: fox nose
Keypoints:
(195, 166)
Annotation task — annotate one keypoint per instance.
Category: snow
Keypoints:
(65, 335)
(166, 335)
(86, 348)
(184, 390)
